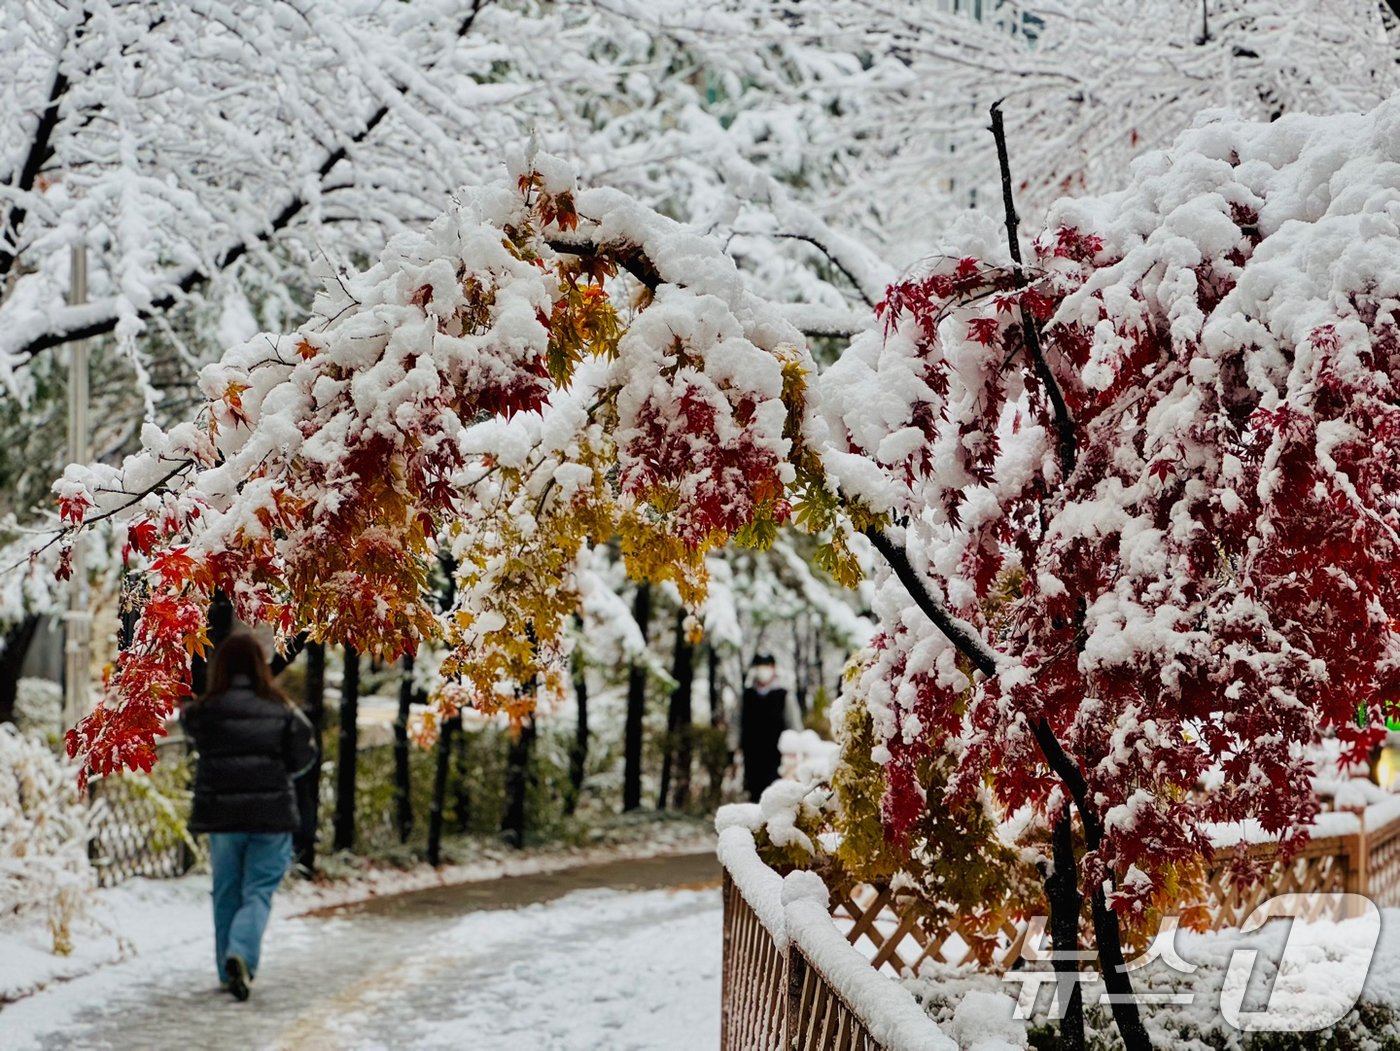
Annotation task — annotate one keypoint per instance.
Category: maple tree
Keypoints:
(475, 393)
(1142, 490)
(1172, 438)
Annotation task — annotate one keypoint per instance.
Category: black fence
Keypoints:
(138, 824)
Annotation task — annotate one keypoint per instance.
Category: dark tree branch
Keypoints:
(282, 661)
(630, 257)
(983, 658)
(1064, 425)
(831, 258)
(1066, 903)
(39, 153)
(1107, 931)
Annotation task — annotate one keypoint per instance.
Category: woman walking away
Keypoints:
(252, 742)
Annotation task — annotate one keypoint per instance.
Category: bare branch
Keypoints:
(1064, 425)
(831, 257)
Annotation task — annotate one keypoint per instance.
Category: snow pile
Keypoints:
(982, 1022)
(43, 838)
(807, 756)
(1304, 974)
(792, 809)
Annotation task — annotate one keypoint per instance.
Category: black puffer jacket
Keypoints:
(250, 748)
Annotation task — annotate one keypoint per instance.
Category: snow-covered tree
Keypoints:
(1141, 490)
(1146, 490)
(208, 154)
(43, 837)
(1087, 85)
(218, 159)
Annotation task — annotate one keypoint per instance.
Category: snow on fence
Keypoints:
(804, 972)
(791, 979)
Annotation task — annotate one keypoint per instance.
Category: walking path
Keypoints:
(621, 955)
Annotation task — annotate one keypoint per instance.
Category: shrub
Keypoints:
(39, 707)
(43, 837)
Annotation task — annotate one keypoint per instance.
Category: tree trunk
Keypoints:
(347, 759)
(461, 795)
(518, 784)
(403, 800)
(435, 810)
(220, 627)
(1116, 980)
(308, 786)
(678, 722)
(578, 754)
(800, 671)
(18, 638)
(1108, 934)
(636, 708)
(1062, 892)
(713, 691)
(685, 746)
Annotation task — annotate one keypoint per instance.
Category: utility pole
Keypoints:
(77, 622)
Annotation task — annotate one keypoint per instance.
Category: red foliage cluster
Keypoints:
(697, 446)
(1205, 592)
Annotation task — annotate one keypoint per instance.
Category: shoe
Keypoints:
(238, 977)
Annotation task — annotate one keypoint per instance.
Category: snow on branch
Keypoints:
(1214, 585)
(475, 393)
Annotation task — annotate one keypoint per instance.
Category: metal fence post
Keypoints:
(77, 621)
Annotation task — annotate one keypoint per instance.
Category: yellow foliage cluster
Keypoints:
(954, 867)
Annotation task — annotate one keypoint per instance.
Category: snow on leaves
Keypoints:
(1167, 538)
(1214, 584)
(474, 398)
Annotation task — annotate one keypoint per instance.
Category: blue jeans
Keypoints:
(247, 866)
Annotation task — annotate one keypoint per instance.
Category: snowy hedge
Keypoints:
(43, 837)
(39, 707)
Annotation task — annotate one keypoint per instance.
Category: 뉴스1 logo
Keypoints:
(1318, 978)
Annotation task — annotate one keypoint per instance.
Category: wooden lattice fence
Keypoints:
(792, 982)
(789, 986)
(1362, 858)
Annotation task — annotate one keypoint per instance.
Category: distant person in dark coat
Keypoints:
(252, 742)
(762, 719)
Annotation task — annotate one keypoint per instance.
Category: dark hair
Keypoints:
(241, 654)
(760, 659)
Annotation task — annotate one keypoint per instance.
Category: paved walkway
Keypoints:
(621, 955)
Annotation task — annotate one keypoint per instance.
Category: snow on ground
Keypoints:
(622, 969)
(143, 916)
